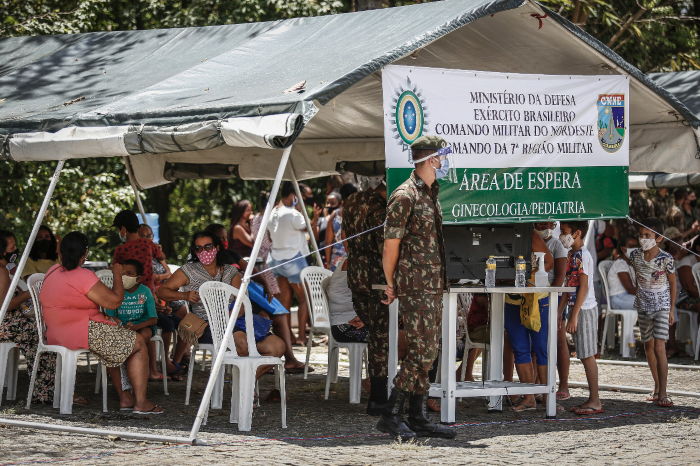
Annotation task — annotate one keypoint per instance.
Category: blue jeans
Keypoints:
(291, 270)
(622, 300)
(524, 341)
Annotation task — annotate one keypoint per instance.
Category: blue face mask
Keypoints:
(444, 168)
(296, 201)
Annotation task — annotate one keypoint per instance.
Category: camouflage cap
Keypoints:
(428, 143)
(672, 233)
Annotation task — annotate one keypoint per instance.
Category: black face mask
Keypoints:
(309, 201)
(43, 245)
(693, 203)
(331, 209)
(11, 256)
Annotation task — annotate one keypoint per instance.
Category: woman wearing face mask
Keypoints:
(621, 278)
(20, 330)
(333, 234)
(333, 200)
(43, 255)
(240, 237)
(687, 295)
(207, 265)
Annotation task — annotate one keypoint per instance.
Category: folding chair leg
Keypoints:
(235, 393)
(7, 357)
(190, 374)
(329, 372)
(218, 395)
(98, 377)
(88, 362)
(603, 344)
(103, 370)
(355, 352)
(58, 380)
(245, 400)
(32, 380)
(283, 393)
(68, 370)
(309, 343)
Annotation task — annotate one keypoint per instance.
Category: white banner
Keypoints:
(502, 120)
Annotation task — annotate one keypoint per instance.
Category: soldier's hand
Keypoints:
(390, 295)
(356, 322)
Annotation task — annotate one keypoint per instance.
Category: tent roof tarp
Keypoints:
(175, 100)
(684, 85)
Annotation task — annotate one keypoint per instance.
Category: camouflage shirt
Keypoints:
(641, 208)
(363, 211)
(661, 206)
(678, 217)
(414, 216)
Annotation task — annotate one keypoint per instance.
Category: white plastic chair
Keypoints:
(215, 297)
(9, 363)
(107, 278)
(66, 359)
(628, 316)
(311, 278)
(356, 353)
(693, 316)
(468, 344)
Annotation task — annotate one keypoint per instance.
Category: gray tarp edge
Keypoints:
(685, 85)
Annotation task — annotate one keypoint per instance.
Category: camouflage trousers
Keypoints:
(422, 315)
(375, 316)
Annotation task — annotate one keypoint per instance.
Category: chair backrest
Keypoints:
(106, 277)
(603, 269)
(215, 298)
(34, 283)
(173, 268)
(325, 286)
(311, 278)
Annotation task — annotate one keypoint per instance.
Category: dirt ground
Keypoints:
(632, 431)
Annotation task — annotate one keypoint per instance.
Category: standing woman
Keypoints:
(20, 330)
(44, 253)
(333, 232)
(240, 237)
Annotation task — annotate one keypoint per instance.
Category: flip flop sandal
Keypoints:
(585, 411)
(178, 371)
(665, 402)
(152, 411)
(573, 409)
(563, 396)
(525, 408)
(176, 378)
(538, 399)
(126, 409)
(651, 396)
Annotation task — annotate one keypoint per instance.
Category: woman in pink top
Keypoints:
(71, 298)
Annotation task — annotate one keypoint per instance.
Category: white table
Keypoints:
(448, 389)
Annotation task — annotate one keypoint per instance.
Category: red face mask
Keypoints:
(207, 257)
(225, 243)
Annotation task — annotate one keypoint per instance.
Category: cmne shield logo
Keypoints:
(409, 117)
(611, 121)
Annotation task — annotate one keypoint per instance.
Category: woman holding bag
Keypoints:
(208, 265)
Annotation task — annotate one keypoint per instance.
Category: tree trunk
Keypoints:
(362, 5)
(158, 201)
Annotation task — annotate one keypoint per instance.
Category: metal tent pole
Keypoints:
(30, 241)
(309, 227)
(216, 365)
(132, 180)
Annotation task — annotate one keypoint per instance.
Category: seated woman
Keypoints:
(207, 265)
(688, 298)
(20, 330)
(71, 297)
(44, 253)
(621, 279)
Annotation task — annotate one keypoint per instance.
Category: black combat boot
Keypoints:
(392, 421)
(421, 424)
(377, 396)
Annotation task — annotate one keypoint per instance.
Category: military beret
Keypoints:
(428, 143)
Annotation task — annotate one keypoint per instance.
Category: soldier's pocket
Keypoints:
(426, 270)
(423, 222)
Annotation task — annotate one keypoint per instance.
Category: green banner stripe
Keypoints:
(506, 195)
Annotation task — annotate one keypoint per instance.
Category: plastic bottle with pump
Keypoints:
(520, 268)
(490, 281)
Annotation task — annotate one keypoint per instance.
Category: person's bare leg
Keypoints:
(270, 346)
(661, 366)
(526, 375)
(563, 360)
(126, 399)
(281, 328)
(672, 346)
(285, 297)
(651, 360)
(137, 370)
(508, 363)
(180, 349)
(153, 373)
(303, 313)
(471, 359)
(591, 368)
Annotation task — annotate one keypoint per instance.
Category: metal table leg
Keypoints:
(552, 356)
(449, 350)
(495, 366)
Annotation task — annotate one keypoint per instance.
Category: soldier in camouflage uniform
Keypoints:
(683, 214)
(661, 202)
(640, 208)
(363, 211)
(414, 266)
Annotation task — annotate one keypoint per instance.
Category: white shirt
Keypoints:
(287, 233)
(558, 251)
(587, 266)
(614, 284)
(688, 261)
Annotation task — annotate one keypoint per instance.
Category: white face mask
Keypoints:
(647, 243)
(122, 238)
(129, 282)
(545, 234)
(630, 251)
(566, 240)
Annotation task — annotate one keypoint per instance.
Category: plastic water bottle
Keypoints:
(520, 268)
(490, 273)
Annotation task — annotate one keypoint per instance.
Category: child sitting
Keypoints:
(656, 295)
(583, 320)
(138, 310)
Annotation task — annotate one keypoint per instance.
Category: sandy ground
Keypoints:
(632, 431)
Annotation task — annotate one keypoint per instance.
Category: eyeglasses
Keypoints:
(148, 237)
(207, 247)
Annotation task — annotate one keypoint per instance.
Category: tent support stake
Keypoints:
(32, 237)
(309, 226)
(228, 334)
(129, 172)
